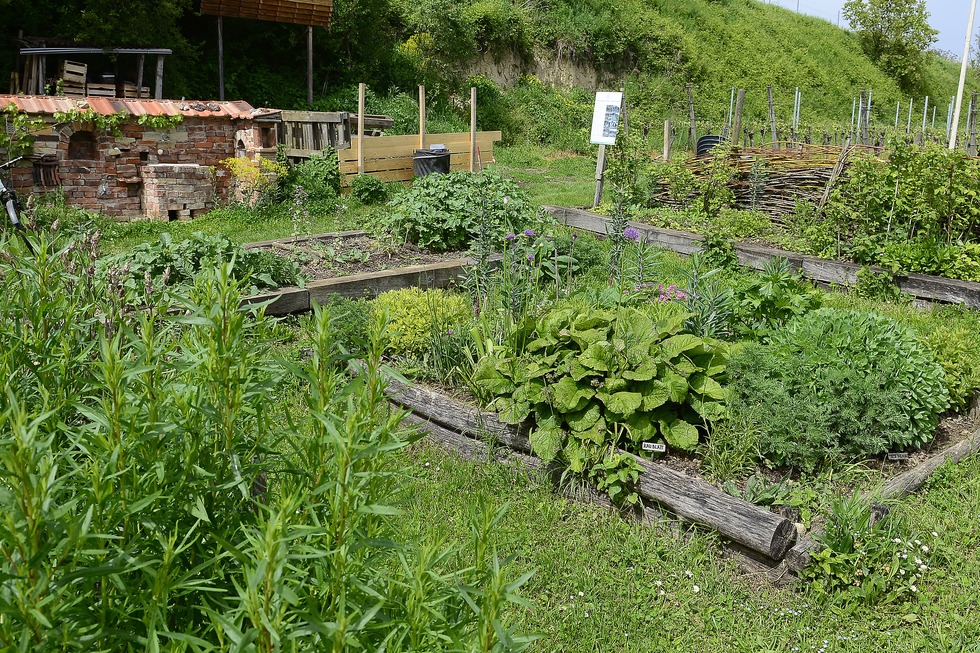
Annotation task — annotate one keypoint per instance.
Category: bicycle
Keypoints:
(13, 206)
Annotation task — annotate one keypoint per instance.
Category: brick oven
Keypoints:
(162, 173)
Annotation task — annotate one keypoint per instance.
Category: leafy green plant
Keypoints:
(162, 499)
(18, 136)
(955, 349)
(413, 313)
(836, 384)
(866, 562)
(368, 189)
(598, 380)
(772, 298)
(319, 176)
(446, 212)
(167, 262)
(880, 285)
(732, 451)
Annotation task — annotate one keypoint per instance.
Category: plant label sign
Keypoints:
(656, 447)
(893, 457)
(605, 118)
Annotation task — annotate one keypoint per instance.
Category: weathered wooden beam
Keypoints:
(899, 486)
(690, 498)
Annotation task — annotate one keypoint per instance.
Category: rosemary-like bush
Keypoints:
(155, 495)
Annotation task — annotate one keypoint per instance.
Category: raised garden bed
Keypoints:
(352, 264)
(765, 542)
(920, 286)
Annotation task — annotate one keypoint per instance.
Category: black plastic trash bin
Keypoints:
(435, 159)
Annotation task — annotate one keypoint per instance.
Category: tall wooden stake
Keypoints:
(737, 119)
(421, 117)
(772, 118)
(159, 88)
(600, 168)
(473, 129)
(361, 89)
(309, 65)
(693, 134)
(959, 89)
(141, 65)
(221, 59)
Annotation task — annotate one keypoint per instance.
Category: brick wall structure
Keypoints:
(144, 171)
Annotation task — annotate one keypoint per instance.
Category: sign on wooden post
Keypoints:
(605, 124)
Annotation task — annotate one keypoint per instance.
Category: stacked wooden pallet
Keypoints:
(101, 90)
(130, 90)
(73, 76)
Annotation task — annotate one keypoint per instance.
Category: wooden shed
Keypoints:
(312, 13)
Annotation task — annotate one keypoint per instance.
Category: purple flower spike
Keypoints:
(529, 233)
(631, 233)
(510, 236)
(530, 257)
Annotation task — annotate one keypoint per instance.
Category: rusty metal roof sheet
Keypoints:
(46, 104)
(303, 12)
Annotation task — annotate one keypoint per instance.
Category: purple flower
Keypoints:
(574, 236)
(631, 233)
(529, 233)
(449, 332)
(530, 257)
(510, 236)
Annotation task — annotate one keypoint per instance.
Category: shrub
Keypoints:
(319, 176)
(368, 189)
(446, 212)
(771, 299)
(168, 263)
(161, 496)
(411, 314)
(956, 350)
(839, 383)
(596, 379)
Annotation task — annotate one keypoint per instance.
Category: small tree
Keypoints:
(895, 34)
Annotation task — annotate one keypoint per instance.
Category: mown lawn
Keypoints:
(604, 584)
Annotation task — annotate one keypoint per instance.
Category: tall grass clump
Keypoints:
(155, 494)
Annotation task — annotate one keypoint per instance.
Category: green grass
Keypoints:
(549, 177)
(598, 579)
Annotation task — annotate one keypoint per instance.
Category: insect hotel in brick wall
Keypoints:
(155, 158)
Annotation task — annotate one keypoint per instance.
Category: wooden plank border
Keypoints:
(921, 286)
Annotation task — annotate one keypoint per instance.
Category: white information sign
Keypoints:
(605, 118)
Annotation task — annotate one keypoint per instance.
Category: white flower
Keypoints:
(658, 583)
(662, 593)
(897, 541)
(923, 568)
(905, 556)
(917, 542)
(506, 199)
(913, 588)
(901, 571)
(687, 572)
(925, 549)
(581, 593)
(918, 561)
(935, 534)
(696, 589)
(586, 615)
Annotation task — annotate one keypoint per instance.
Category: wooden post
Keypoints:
(737, 118)
(908, 126)
(666, 141)
(43, 65)
(600, 169)
(772, 119)
(159, 85)
(473, 129)
(221, 59)
(693, 134)
(309, 65)
(421, 117)
(139, 75)
(971, 146)
(623, 120)
(864, 118)
(361, 88)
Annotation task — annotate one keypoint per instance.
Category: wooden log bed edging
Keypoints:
(691, 499)
(895, 488)
(921, 286)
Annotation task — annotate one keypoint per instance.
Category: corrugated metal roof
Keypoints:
(46, 104)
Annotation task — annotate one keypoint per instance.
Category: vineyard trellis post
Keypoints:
(737, 119)
(693, 134)
(772, 119)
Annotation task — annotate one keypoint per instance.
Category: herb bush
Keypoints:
(169, 262)
(599, 379)
(836, 384)
(446, 212)
(770, 299)
(156, 499)
(412, 314)
(368, 189)
(319, 176)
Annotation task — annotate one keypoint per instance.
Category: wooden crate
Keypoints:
(74, 72)
(389, 158)
(72, 89)
(128, 90)
(101, 90)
